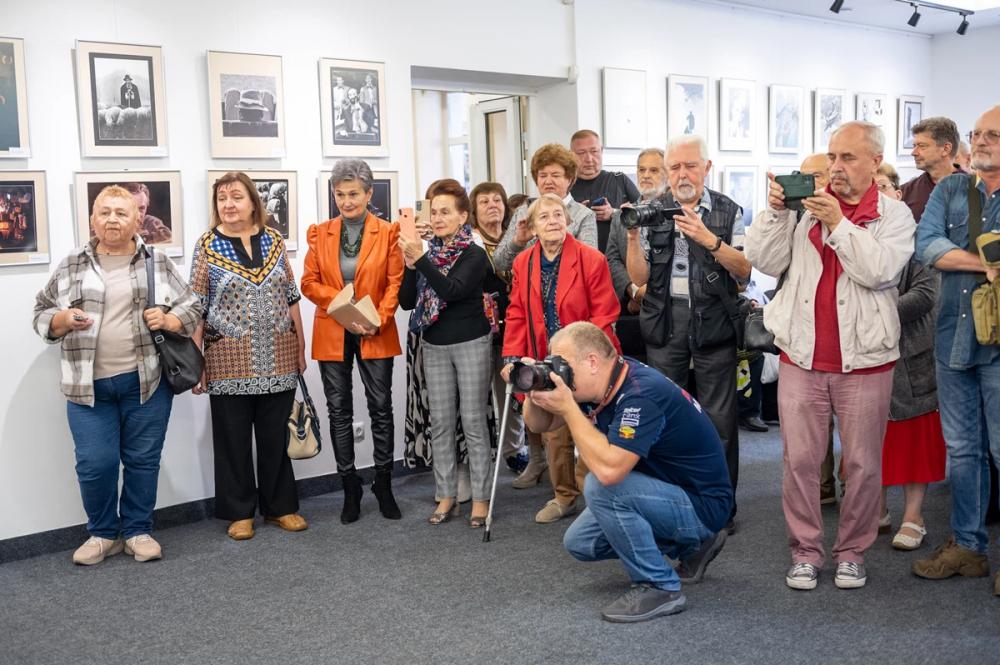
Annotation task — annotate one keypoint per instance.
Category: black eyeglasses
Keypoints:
(991, 136)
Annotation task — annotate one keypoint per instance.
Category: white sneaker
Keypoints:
(143, 548)
(850, 575)
(95, 550)
(802, 576)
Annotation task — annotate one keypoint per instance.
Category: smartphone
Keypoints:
(599, 201)
(80, 317)
(407, 224)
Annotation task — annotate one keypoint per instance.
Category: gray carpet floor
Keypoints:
(405, 592)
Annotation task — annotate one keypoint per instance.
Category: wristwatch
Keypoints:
(718, 244)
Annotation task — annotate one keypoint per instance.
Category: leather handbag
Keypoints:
(304, 440)
(755, 336)
(180, 358)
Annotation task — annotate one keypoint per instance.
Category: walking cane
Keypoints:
(496, 469)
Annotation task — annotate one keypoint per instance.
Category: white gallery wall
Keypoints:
(963, 75)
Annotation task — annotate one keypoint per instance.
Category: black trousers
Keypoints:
(749, 407)
(715, 375)
(238, 420)
(376, 375)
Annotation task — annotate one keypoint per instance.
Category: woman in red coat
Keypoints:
(557, 281)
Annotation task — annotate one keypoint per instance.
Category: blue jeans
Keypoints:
(119, 432)
(638, 521)
(965, 397)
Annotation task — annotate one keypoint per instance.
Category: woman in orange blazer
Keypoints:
(557, 281)
(356, 247)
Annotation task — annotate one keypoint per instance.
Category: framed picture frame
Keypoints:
(121, 100)
(279, 192)
(624, 106)
(158, 194)
(737, 106)
(785, 119)
(871, 107)
(740, 183)
(687, 105)
(14, 136)
(352, 108)
(246, 105)
(909, 113)
(385, 196)
(829, 112)
(24, 221)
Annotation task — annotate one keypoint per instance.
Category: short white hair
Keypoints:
(873, 134)
(689, 139)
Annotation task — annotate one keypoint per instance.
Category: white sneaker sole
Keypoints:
(802, 585)
(849, 583)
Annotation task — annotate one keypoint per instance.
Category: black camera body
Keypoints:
(653, 213)
(797, 186)
(526, 377)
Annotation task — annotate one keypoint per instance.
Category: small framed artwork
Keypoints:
(737, 102)
(247, 109)
(687, 105)
(121, 99)
(624, 108)
(829, 112)
(157, 194)
(352, 108)
(24, 225)
(278, 192)
(13, 100)
(785, 119)
(871, 107)
(911, 112)
(384, 202)
(740, 184)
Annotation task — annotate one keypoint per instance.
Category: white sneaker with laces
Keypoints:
(850, 575)
(802, 576)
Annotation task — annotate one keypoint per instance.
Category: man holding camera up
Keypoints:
(657, 484)
(689, 258)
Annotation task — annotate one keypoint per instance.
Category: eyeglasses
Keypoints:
(991, 136)
(886, 187)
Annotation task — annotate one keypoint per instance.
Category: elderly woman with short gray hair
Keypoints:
(356, 248)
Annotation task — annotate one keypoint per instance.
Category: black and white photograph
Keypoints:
(785, 119)
(740, 184)
(13, 100)
(278, 192)
(249, 105)
(247, 112)
(830, 112)
(121, 100)
(24, 232)
(871, 107)
(624, 97)
(352, 108)
(911, 111)
(687, 105)
(737, 101)
(383, 203)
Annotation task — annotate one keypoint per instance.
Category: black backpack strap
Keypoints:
(975, 219)
(150, 278)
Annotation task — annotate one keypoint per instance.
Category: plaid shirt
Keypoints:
(78, 282)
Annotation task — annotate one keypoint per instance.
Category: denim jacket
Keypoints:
(944, 227)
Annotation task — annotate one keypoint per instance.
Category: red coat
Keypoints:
(584, 292)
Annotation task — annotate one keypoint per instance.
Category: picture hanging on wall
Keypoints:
(278, 192)
(829, 112)
(785, 119)
(353, 108)
(121, 100)
(740, 184)
(13, 100)
(624, 108)
(687, 105)
(383, 204)
(737, 102)
(158, 195)
(910, 112)
(24, 225)
(247, 109)
(872, 107)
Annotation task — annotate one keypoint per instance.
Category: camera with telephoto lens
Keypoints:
(796, 186)
(526, 377)
(653, 213)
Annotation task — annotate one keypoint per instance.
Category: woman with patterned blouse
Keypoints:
(254, 351)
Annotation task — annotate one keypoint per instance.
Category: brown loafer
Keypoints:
(241, 529)
(289, 522)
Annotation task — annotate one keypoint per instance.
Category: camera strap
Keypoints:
(616, 376)
(527, 306)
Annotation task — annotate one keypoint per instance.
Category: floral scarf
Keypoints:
(443, 256)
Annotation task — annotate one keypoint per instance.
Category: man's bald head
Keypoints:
(818, 166)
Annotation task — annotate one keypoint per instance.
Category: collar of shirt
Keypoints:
(568, 199)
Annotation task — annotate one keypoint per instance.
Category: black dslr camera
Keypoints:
(526, 377)
(653, 213)
(797, 186)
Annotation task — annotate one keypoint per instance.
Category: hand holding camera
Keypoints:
(528, 375)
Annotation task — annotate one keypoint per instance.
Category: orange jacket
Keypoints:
(379, 273)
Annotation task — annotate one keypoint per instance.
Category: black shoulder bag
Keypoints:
(180, 357)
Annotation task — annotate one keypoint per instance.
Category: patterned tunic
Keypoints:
(250, 342)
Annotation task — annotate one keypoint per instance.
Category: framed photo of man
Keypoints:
(911, 112)
(737, 106)
(247, 108)
(829, 112)
(384, 203)
(687, 105)
(157, 195)
(352, 108)
(278, 192)
(785, 119)
(24, 225)
(121, 100)
(14, 140)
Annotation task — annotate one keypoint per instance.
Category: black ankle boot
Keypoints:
(352, 498)
(382, 489)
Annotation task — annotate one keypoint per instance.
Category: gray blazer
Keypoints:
(582, 226)
(914, 388)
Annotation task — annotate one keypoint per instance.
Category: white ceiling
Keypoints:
(881, 13)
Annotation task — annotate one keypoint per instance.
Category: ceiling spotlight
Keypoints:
(835, 7)
(963, 26)
(915, 18)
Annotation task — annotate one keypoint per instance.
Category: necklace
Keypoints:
(348, 248)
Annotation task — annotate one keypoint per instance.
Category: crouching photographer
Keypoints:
(658, 483)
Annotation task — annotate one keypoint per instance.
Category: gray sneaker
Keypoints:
(802, 575)
(642, 602)
(850, 575)
(692, 569)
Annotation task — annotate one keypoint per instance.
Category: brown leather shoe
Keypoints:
(241, 529)
(289, 522)
(951, 559)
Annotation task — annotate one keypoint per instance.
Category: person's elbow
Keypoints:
(611, 473)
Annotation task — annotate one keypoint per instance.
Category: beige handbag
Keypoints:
(304, 440)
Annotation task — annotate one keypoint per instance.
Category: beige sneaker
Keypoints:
(143, 548)
(554, 511)
(95, 550)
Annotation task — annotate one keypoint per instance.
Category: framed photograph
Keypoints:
(158, 195)
(13, 100)
(871, 107)
(737, 102)
(911, 111)
(279, 192)
(121, 100)
(740, 184)
(687, 105)
(352, 108)
(785, 119)
(624, 108)
(247, 108)
(829, 112)
(24, 221)
(384, 203)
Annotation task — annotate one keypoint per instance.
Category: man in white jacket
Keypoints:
(835, 321)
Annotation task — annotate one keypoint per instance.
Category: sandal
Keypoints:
(477, 521)
(902, 541)
(441, 518)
